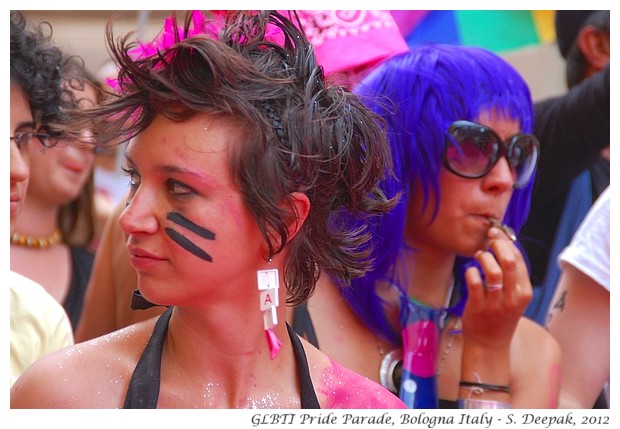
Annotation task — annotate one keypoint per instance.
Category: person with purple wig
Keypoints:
(439, 319)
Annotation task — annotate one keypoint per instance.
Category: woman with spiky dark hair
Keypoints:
(239, 155)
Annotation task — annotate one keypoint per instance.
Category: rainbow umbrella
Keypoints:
(495, 30)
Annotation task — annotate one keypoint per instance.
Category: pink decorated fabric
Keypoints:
(352, 41)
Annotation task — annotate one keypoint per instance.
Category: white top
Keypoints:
(588, 250)
(39, 324)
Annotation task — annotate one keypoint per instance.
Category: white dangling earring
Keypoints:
(268, 285)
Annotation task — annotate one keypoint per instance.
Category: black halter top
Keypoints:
(143, 390)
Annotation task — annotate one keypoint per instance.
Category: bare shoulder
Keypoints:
(339, 387)
(532, 336)
(92, 374)
(348, 389)
(535, 362)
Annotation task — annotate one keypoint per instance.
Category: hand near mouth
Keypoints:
(507, 230)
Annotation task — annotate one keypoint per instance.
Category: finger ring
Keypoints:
(494, 287)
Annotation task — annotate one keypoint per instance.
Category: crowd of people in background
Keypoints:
(327, 222)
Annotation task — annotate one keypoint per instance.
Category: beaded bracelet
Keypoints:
(479, 388)
(470, 404)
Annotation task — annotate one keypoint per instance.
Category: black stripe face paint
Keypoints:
(185, 242)
(181, 220)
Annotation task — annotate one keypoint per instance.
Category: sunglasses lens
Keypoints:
(470, 150)
(523, 156)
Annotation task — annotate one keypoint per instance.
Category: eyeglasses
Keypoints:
(472, 150)
(23, 139)
(81, 143)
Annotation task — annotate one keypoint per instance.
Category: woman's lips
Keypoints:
(141, 259)
(16, 201)
(75, 167)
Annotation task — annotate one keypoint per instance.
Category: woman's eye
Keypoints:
(179, 189)
(133, 176)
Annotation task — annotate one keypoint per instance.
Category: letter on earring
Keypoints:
(268, 285)
(268, 299)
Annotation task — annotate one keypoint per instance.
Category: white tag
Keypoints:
(268, 299)
(270, 318)
(268, 279)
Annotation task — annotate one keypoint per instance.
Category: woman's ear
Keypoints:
(594, 45)
(301, 205)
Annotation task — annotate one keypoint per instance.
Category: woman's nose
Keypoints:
(19, 165)
(139, 216)
(501, 178)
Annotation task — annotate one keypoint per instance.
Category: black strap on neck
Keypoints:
(308, 396)
(143, 389)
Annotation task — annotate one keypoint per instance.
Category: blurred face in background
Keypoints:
(59, 176)
(21, 120)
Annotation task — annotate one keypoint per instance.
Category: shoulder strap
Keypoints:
(143, 390)
(308, 396)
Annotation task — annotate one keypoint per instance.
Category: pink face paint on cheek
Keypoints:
(236, 213)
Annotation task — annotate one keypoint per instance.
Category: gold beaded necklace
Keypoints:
(36, 242)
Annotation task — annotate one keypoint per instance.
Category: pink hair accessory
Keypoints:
(168, 37)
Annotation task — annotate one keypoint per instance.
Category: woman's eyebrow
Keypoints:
(200, 176)
(166, 168)
(160, 168)
(25, 124)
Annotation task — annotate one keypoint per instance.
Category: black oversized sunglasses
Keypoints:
(471, 150)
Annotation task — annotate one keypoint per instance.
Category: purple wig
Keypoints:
(419, 94)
